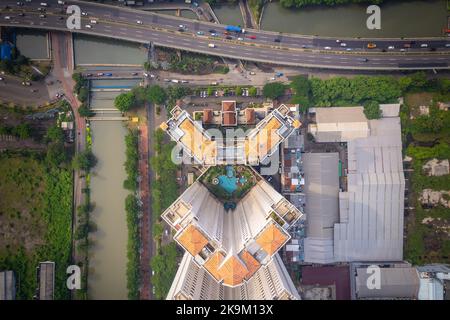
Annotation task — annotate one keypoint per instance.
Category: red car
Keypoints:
(252, 37)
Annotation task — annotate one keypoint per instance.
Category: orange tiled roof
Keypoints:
(250, 115)
(228, 105)
(207, 115)
(271, 239)
(229, 119)
(192, 240)
(233, 271)
(213, 263)
(251, 263)
(195, 141)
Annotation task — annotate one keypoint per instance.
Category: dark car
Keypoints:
(228, 37)
(181, 29)
(212, 31)
(277, 40)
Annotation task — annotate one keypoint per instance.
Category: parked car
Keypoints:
(200, 33)
(138, 21)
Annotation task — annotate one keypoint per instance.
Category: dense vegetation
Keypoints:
(164, 192)
(426, 137)
(138, 96)
(341, 91)
(37, 205)
(164, 264)
(304, 3)
(273, 90)
(132, 211)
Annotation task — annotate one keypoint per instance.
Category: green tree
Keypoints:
(84, 111)
(157, 230)
(273, 90)
(124, 101)
(239, 91)
(252, 92)
(54, 134)
(372, 110)
(23, 131)
(156, 94)
(56, 154)
(85, 160)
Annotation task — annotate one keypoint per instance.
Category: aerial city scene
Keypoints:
(225, 150)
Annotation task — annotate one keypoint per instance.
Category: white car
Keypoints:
(93, 21)
(182, 26)
(1, 79)
(88, 26)
(424, 45)
(348, 49)
(402, 50)
(211, 45)
(139, 22)
(145, 74)
(7, 18)
(391, 48)
(327, 48)
(84, 14)
(337, 41)
(343, 44)
(240, 39)
(447, 45)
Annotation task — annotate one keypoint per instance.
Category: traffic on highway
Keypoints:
(231, 41)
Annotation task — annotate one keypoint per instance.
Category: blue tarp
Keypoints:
(5, 51)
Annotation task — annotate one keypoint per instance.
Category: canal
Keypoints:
(229, 14)
(104, 51)
(398, 19)
(32, 43)
(108, 254)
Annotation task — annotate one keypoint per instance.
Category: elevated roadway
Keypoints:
(292, 50)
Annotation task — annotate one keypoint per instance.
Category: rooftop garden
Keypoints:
(229, 183)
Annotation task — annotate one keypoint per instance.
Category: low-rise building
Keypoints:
(7, 285)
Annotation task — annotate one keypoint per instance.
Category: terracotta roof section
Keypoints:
(213, 263)
(228, 105)
(229, 119)
(207, 115)
(192, 240)
(233, 271)
(250, 115)
(252, 264)
(271, 239)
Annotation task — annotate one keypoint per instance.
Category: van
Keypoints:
(211, 45)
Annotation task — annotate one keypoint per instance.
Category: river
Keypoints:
(108, 255)
(398, 19)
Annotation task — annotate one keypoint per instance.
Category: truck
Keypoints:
(236, 29)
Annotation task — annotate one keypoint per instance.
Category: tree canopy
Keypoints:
(156, 94)
(372, 110)
(273, 90)
(125, 101)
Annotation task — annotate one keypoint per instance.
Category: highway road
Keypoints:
(292, 50)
